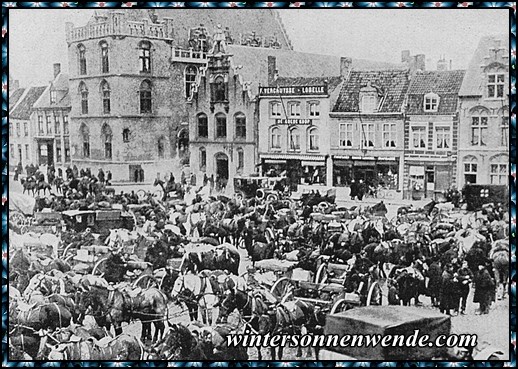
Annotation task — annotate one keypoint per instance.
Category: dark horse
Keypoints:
(222, 258)
(112, 307)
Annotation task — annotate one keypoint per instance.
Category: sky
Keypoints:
(37, 36)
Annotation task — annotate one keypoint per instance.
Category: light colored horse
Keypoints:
(500, 256)
(201, 290)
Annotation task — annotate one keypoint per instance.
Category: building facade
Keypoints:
(294, 127)
(21, 132)
(367, 129)
(484, 115)
(50, 123)
(431, 133)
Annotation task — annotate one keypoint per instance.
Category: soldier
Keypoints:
(464, 277)
(484, 289)
(447, 290)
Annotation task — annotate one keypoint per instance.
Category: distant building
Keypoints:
(50, 123)
(21, 132)
(367, 128)
(431, 133)
(131, 72)
(484, 115)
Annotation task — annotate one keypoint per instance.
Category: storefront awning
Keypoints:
(274, 161)
(293, 157)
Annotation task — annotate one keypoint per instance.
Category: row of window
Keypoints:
(43, 152)
(479, 131)
(293, 109)
(48, 126)
(294, 140)
(498, 171)
(348, 137)
(18, 132)
(144, 50)
(220, 120)
(240, 164)
(145, 97)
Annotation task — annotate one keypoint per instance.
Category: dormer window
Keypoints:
(368, 104)
(53, 96)
(431, 102)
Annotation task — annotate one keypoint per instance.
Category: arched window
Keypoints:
(499, 170)
(470, 170)
(221, 125)
(85, 137)
(294, 139)
(313, 139)
(82, 58)
(240, 120)
(145, 56)
(145, 97)
(105, 95)
(203, 126)
(125, 135)
(106, 136)
(240, 159)
(105, 63)
(219, 90)
(161, 147)
(203, 159)
(83, 91)
(275, 138)
(190, 79)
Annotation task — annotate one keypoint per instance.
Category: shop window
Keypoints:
(431, 102)
(313, 139)
(389, 135)
(145, 97)
(203, 126)
(419, 137)
(275, 138)
(190, 78)
(495, 85)
(294, 139)
(443, 138)
(294, 109)
(221, 125)
(240, 121)
(479, 126)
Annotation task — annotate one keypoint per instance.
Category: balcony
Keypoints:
(188, 56)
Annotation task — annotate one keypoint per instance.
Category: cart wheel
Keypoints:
(65, 251)
(141, 194)
(374, 296)
(321, 276)
(67, 259)
(272, 197)
(339, 306)
(281, 287)
(240, 196)
(144, 281)
(158, 193)
(98, 265)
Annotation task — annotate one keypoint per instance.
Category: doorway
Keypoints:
(222, 166)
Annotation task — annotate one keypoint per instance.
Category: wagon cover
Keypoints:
(388, 320)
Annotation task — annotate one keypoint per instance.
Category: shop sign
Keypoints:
(294, 121)
(293, 90)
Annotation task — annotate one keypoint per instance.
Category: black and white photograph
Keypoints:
(258, 184)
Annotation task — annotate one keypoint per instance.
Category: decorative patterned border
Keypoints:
(512, 179)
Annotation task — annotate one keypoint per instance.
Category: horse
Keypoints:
(112, 307)
(222, 257)
(500, 256)
(197, 292)
(29, 185)
(181, 344)
(123, 347)
(43, 186)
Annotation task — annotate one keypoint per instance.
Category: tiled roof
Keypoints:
(15, 96)
(446, 84)
(332, 82)
(23, 109)
(473, 84)
(60, 84)
(253, 63)
(393, 85)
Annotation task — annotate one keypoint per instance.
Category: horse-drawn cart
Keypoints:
(98, 221)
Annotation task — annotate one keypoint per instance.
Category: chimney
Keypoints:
(273, 73)
(57, 69)
(345, 66)
(405, 56)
